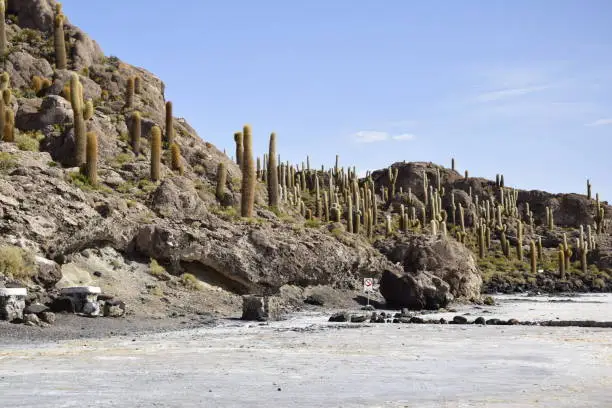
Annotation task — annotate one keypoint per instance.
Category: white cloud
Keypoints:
(508, 93)
(374, 136)
(404, 137)
(370, 136)
(600, 122)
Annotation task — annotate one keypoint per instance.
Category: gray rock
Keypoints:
(480, 320)
(35, 309)
(36, 14)
(259, 308)
(48, 317)
(358, 318)
(417, 291)
(446, 259)
(340, 317)
(460, 320)
(32, 320)
(114, 308)
(23, 66)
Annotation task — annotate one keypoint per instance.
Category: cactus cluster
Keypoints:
(3, 43)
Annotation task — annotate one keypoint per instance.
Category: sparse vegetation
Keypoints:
(16, 263)
(190, 282)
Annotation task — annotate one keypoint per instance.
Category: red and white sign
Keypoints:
(368, 285)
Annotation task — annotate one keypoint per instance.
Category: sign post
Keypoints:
(368, 286)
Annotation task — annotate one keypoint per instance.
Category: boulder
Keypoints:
(415, 291)
(36, 14)
(444, 258)
(259, 308)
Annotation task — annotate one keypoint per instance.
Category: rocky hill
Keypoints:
(99, 184)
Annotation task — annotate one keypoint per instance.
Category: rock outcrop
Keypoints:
(443, 258)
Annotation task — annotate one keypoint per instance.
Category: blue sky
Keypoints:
(517, 87)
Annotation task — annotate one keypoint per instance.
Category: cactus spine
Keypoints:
(59, 41)
(91, 167)
(135, 132)
(272, 173)
(169, 124)
(80, 136)
(221, 179)
(248, 175)
(155, 153)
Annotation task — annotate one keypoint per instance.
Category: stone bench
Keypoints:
(12, 303)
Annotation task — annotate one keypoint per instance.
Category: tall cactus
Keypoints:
(248, 175)
(135, 132)
(169, 124)
(272, 173)
(59, 42)
(349, 215)
(137, 85)
(561, 262)
(129, 93)
(3, 48)
(240, 148)
(519, 240)
(80, 135)
(91, 167)
(155, 153)
(533, 255)
(8, 131)
(589, 196)
(175, 158)
(221, 180)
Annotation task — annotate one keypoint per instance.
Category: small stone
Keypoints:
(31, 320)
(416, 319)
(97, 274)
(340, 317)
(480, 320)
(493, 322)
(460, 320)
(358, 318)
(48, 317)
(513, 322)
(443, 321)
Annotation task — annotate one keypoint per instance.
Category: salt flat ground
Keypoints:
(306, 362)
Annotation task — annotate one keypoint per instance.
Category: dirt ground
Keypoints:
(306, 362)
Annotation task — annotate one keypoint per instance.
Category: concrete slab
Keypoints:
(13, 292)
